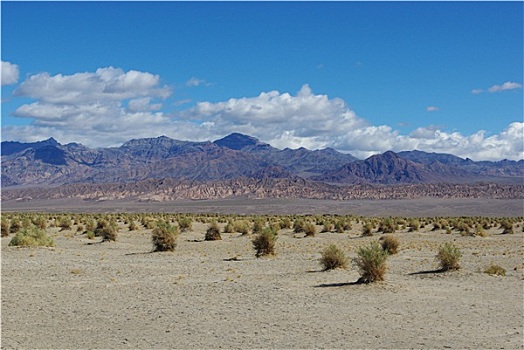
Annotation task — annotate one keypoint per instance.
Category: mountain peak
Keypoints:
(237, 141)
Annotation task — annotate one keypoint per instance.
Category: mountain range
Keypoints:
(236, 157)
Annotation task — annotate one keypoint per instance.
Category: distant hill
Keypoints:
(48, 163)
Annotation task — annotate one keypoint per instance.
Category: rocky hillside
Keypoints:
(235, 165)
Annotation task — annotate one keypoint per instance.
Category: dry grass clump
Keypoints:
(5, 227)
(367, 229)
(32, 237)
(390, 244)
(107, 230)
(333, 257)
(241, 226)
(185, 224)
(495, 270)
(449, 257)
(371, 263)
(387, 225)
(164, 237)
(264, 242)
(310, 229)
(213, 232)
(507, 227)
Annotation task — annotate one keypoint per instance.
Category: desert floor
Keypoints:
(217, 294)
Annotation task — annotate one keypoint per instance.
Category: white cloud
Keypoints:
(196, 82)
(10, 73)
(432, 108)
(117, 111)
(477, 91)
(506, 86)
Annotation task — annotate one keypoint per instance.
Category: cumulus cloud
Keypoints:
(10, 73)
(118, 111)
(506, 86)
(432, 108)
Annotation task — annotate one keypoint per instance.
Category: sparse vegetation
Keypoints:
(449, 256)
(310, 229)
(390, 244)
(264, 242)
(213, 232)
(164, 237)
(32, 237)
(495, 270)
(185, 224)
(333, 257)
(371, 262)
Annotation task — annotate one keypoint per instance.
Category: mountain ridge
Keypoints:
(49, 164)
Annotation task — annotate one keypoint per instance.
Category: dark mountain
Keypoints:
(11, 147)
(48, 163)
(239, 142)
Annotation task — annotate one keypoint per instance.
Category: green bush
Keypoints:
(264, 242)
(332, 258)
(164, 237)
(449, 256)
(32, 237)
(371, 262)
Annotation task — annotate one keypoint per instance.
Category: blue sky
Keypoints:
(361, 77)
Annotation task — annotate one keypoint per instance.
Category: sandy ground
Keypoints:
(118, 295)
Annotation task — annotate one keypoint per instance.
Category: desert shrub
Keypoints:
(461, 227)
(449, 256)
(150, 224)
(298, 226)
(5, 228)
(328, 226)
(27, 223)
(90, 235)
(333, 257)
(107, 230)
(507, 227)
(495, 270)
(90, 225)
(285, 223)
(64, 223)
(479, 231)
(241, 226)
(164, 237)
(32, 237)
(387, 225)
(132, 226)
(390, 244)
(371, 262)
(213, 232)
(185, 224)
(229, 228)
(258, 226)
(264, 242)
(436, 226)
(414, 225)
(16, 225)
(367, 229)
(310, 229)
(40, 222)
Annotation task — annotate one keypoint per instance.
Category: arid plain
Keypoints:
(216, 294)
